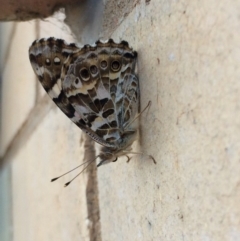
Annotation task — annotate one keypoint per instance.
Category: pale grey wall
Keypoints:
(188, 61)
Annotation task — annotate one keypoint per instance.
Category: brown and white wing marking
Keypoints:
(95, 80)
(47, 57)
(118, 78)
(95, 86)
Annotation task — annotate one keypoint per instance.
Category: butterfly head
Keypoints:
(108, 154)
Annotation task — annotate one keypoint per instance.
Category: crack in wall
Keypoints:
(92, 190)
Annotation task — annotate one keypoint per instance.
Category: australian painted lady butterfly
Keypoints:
(95, 86)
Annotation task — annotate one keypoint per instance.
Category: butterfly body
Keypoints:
(95, 86)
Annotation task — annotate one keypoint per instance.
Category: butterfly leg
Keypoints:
(128, 158)
(115, 160)
(140, 153)
(148, 106)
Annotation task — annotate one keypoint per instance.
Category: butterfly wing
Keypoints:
(47, 57)
(95, 86)
(101, 83)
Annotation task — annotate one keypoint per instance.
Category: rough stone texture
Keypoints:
(188, 64)
(114, 13)
(188, 67)
(25, 10)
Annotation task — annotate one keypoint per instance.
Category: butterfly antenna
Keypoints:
(54, 179)
(148, 106)
(67, 183)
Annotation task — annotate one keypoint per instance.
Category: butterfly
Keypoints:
(95, 86)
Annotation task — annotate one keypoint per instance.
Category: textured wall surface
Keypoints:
(188, 65)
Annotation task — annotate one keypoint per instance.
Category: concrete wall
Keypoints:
(189, 54)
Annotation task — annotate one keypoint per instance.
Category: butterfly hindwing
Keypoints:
(98, 82)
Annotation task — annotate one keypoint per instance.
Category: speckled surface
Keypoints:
(188, 64)
(188, 67)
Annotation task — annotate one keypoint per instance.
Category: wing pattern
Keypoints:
(95, 86)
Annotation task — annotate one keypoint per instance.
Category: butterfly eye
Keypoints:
(103, 64)
(84, 74)
(93, 69)
(115, 65)
(48, 62)
(57, 61)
